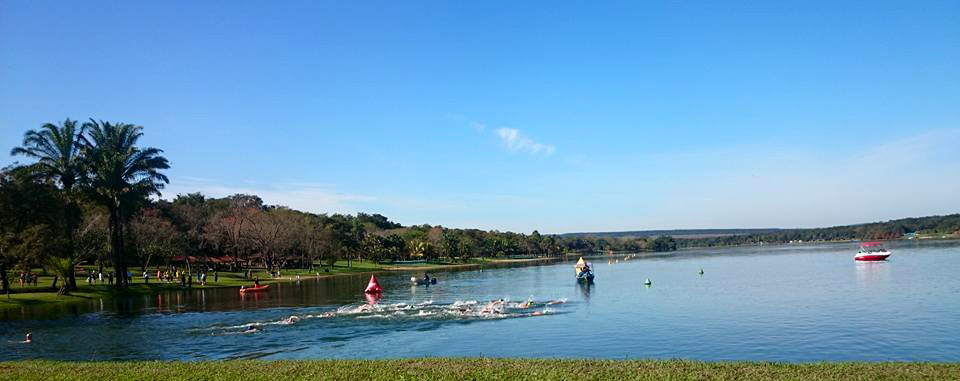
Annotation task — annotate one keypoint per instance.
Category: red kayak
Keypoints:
(255, 289)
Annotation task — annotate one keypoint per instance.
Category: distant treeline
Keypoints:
(676, 233)
(937, 226)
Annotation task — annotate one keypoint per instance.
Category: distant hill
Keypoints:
(940, 227)
(675, 233)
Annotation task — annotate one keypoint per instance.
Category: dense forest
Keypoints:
(88, 196)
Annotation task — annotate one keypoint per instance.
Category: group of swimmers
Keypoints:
(494, 307)
(251, 328)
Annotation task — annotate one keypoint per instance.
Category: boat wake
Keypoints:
(461, 310)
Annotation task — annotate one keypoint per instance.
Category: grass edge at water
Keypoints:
(475, 369)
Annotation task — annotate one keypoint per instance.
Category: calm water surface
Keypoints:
(791, 303)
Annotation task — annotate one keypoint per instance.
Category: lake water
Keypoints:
(786, 303)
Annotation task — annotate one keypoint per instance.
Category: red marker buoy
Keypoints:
(373, 287)
(373, 298)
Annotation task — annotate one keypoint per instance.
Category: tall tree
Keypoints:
(57, 151)
(155, 236)
(122, 176)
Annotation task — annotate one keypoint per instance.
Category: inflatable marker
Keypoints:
(373, 287)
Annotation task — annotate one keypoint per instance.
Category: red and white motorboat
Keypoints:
(872, 252)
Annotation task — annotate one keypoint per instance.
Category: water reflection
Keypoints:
(872, 274)
(772, 303)
(585, 289)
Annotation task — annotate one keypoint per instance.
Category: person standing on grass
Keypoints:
(100, 276)
(216, 276)
(146, 277)
(110, 278)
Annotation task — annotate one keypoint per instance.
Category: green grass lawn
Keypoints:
(472, 369)
(45, 293)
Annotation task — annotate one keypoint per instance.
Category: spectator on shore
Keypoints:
(146, 277)
(216, 276)
(110, 278)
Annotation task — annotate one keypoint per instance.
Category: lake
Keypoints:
(780, 303)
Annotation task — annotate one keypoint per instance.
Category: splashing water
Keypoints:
(460, 310)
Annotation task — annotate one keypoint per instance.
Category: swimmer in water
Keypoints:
(29, 338)
(552, 302)
(250, 329)
(292, 319)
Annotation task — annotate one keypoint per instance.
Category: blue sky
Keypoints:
(557, 116)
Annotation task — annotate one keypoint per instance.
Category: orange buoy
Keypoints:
(373, 287)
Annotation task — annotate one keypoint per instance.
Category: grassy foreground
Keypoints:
(473, 369)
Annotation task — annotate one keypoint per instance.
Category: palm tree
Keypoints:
(56, 149)
(121, 177)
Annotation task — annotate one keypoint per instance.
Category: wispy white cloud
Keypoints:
(517, 142)
(512, 139)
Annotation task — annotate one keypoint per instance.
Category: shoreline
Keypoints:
(475, 369)
(230, 280)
